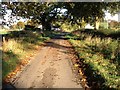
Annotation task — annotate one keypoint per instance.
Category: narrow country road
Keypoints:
(50, 68)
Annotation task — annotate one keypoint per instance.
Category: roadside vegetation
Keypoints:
(98, 50)
(99, 57)
(18, 48)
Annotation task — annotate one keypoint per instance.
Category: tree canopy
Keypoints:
(46, 12)
(90, 11)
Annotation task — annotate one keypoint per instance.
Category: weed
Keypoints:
(19, 46)
(102, 55)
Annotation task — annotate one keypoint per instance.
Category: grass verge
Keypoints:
(18, 48)
(101, 58)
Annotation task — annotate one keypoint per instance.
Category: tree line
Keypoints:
(76, 12)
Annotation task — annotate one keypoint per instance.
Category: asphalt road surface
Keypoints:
(50, 68)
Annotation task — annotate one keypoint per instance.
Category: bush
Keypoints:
(30, 22)
(102, 55)
(29, 27)
(114, 24)
(68, 27)
(20, 25)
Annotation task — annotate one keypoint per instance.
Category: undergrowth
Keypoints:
(101, 54)
(19, 46)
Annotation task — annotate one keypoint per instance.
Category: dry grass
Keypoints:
(103, 57)
(17, 49)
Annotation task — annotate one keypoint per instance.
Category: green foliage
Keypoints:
(3, 32)
(20, 25)
(30, 22)
(102, 56)
(103, 25)
(89, 11)
(47, 12)
(17, 48)
(114, 24)
(10, 61)
(66, 26)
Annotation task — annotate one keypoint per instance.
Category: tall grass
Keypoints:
(18, 48)
(103, 56)
(68, 27)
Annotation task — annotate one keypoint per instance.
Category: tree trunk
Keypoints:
(97, 23)
(83, 23)
(45, 22)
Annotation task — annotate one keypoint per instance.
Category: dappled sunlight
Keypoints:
(102, 55)
(63, 30)
(18, 49)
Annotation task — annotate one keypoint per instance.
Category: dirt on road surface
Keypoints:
(50, 68)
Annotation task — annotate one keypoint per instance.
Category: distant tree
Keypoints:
(30, 22)
(14, 26)
(114, 24)
(92, 12)
(20, 25)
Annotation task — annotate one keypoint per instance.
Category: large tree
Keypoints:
(45, 12)
(41, 12)
(90, 11)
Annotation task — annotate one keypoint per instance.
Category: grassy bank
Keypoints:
(18, 48)
(100, 53)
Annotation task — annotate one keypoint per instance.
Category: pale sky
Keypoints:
(108, 16)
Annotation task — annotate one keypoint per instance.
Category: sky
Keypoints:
(109, 16)
(7, 17)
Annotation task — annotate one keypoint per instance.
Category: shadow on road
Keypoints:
(8, 86)
(55, 45)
